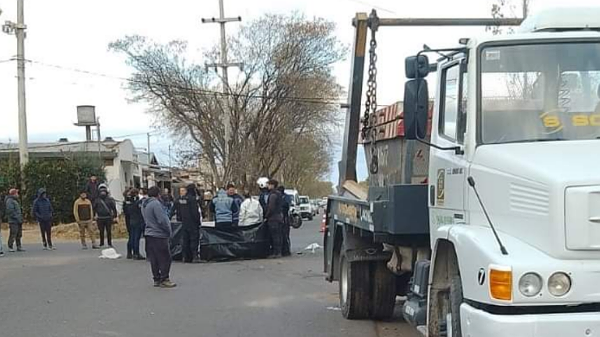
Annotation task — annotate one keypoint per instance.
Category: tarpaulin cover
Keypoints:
(176, 241)
(248, 242)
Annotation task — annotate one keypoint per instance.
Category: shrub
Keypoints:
(63, 179)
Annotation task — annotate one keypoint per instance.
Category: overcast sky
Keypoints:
(74, 34)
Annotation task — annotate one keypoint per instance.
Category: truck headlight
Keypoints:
(530, 284)
(559, 284)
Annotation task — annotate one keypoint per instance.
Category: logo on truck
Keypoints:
(441, 177)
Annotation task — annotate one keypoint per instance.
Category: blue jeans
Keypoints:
(133, 244)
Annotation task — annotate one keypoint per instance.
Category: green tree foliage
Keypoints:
(62, 178)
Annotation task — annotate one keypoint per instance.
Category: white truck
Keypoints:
(484, 207)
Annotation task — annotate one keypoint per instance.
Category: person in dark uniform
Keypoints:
(186, 209)
(285, 231)
(274, 218)
(132, 208)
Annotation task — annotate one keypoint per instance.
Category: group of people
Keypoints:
(148, 214)
(229, 209)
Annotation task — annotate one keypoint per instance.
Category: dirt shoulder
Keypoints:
(60, 233)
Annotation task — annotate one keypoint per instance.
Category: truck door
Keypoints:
(448, 168)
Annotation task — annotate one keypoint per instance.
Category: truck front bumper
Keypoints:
(479, 323)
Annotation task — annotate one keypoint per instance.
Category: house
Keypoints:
(124, 165)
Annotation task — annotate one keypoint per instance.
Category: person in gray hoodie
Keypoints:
(15, 220)
(157, 233)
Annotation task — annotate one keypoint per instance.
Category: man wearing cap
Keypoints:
(15, 220)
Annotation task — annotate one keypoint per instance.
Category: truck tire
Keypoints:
(455, 299)
(310, 217)
(383, 291)
(354, 288)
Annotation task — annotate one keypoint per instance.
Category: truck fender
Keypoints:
(475, 249)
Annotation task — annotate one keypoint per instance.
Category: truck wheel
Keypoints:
(456, 299)
(383, 295)
(310, 217)
(354, 288)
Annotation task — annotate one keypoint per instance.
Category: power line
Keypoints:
(312, 100)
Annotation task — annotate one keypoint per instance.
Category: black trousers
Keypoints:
(287, 243)
(105, 224)
(15, 234)
(159, 254)
(191, 240)
(46, 230)
(275, 229)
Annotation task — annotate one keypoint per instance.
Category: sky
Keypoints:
(67, 38)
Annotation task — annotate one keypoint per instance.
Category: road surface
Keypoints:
(70, 292)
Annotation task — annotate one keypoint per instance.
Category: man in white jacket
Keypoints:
(251, 212)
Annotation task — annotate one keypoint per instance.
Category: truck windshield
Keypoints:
(540, 92)
(304, 200)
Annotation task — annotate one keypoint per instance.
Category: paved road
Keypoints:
(70, 292)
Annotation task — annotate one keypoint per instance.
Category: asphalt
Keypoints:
(70, 292)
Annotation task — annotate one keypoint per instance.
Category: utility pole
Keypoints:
(224, 64)
(99, 138)
(149, 157)
(18, 29)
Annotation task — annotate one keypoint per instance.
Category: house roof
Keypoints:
(59, 149)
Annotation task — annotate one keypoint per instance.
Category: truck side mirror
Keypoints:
(416, 66)
(416, 108)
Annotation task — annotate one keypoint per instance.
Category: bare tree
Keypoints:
(285, 92)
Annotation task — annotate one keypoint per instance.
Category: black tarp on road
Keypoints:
(222, 244)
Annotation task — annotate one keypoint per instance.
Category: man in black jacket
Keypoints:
(106, 214)
(132, 209)
(187, 210)
(91, 188)
(285, 228)
(274, 216)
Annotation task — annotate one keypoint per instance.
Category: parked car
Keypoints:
(306, 209)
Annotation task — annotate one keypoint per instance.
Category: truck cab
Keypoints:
(484, 203)
(518, 115)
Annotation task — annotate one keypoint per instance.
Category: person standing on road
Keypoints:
(263, 197)
(223, 207)
(15, 220)
(106, 214)
(167, 199)
(42, 211)
(2, 205)
(91, 188)
(158, 232)
(187, 210)
(237, 199)
(275, 218)
(84, 216)
(285, 229)
(132, 209)
(251, 212)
